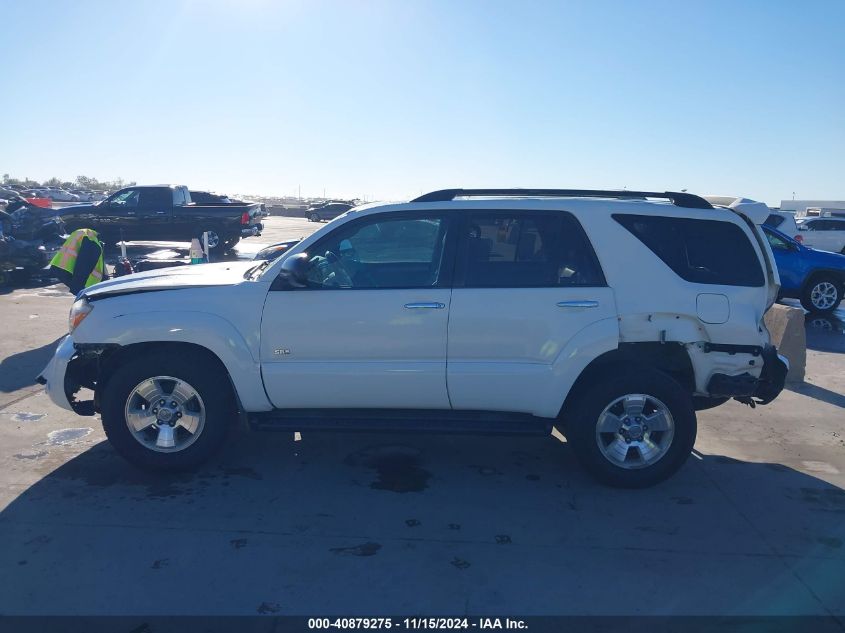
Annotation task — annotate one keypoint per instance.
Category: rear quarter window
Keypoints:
(699, 251)
(774, 220)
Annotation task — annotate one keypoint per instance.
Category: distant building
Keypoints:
(799, 207)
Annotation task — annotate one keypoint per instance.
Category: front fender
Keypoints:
(207, 330)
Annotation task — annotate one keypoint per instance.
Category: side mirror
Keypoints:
(294, 273)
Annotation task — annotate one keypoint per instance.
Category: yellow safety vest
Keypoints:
(66, 257)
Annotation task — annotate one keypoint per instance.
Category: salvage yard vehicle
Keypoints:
(815, 277)
(165, 212)
(610, 315)
(326, 211)
(823, 233)
(785, 223)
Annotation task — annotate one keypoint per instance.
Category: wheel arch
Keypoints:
(114, 356)
(670, 358)
(208, 334)
(824, 272)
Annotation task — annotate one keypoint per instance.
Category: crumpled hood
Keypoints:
(189, 276)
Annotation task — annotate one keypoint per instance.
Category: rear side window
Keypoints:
(774, 220)
(826, 225)
(527, 250)
(156, 198)
(700, 251)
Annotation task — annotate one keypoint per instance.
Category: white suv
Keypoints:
(610, 315)
(824, 234)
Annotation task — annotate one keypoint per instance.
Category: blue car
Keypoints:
(817, 278)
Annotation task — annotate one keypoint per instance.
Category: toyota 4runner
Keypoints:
(610, 315)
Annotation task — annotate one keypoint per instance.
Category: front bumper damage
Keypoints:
(753, 390)
(72, 368)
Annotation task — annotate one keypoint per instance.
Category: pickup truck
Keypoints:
(164, 212)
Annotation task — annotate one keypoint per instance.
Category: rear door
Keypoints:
(154, 212)
(525, 283)
(837, 231)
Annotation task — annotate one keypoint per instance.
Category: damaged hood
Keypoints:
(189, 276)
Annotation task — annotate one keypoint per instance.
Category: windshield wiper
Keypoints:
(252, 273)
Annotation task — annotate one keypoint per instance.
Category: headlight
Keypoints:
(78, 311)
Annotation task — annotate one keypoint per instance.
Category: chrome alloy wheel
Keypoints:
(213, 239)
(165, 414)
(824, 295)
(635, 431)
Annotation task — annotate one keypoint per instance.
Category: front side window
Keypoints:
(127, 199)
(398, 252)
(527, 250)
(700, 251)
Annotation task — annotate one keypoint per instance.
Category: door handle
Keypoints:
(433, 305)
(160, 212)
(588, 303)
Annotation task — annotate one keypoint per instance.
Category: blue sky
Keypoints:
(386, 99)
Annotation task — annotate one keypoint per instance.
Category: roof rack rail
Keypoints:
(687, 200)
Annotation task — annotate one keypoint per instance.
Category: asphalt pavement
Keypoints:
(366, 524)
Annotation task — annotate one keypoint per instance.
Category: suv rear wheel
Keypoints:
(167, 411)
(632, 429)
(822, 294)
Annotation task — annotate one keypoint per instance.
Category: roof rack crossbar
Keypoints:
(680, 199)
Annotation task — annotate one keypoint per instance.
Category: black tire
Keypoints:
(209, 380)
(313, 217)
(229, 244)
(814, 283)
(582, 417)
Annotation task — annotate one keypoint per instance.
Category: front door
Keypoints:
(525, 283)
(118, 217)
(369, 330)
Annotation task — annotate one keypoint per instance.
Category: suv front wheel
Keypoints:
(632, 429)
(167, 411)
(822, 294)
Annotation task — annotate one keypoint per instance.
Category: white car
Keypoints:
(60, 195)
(785, 223)
(612, 316)
(83, 195)
(823, 234)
